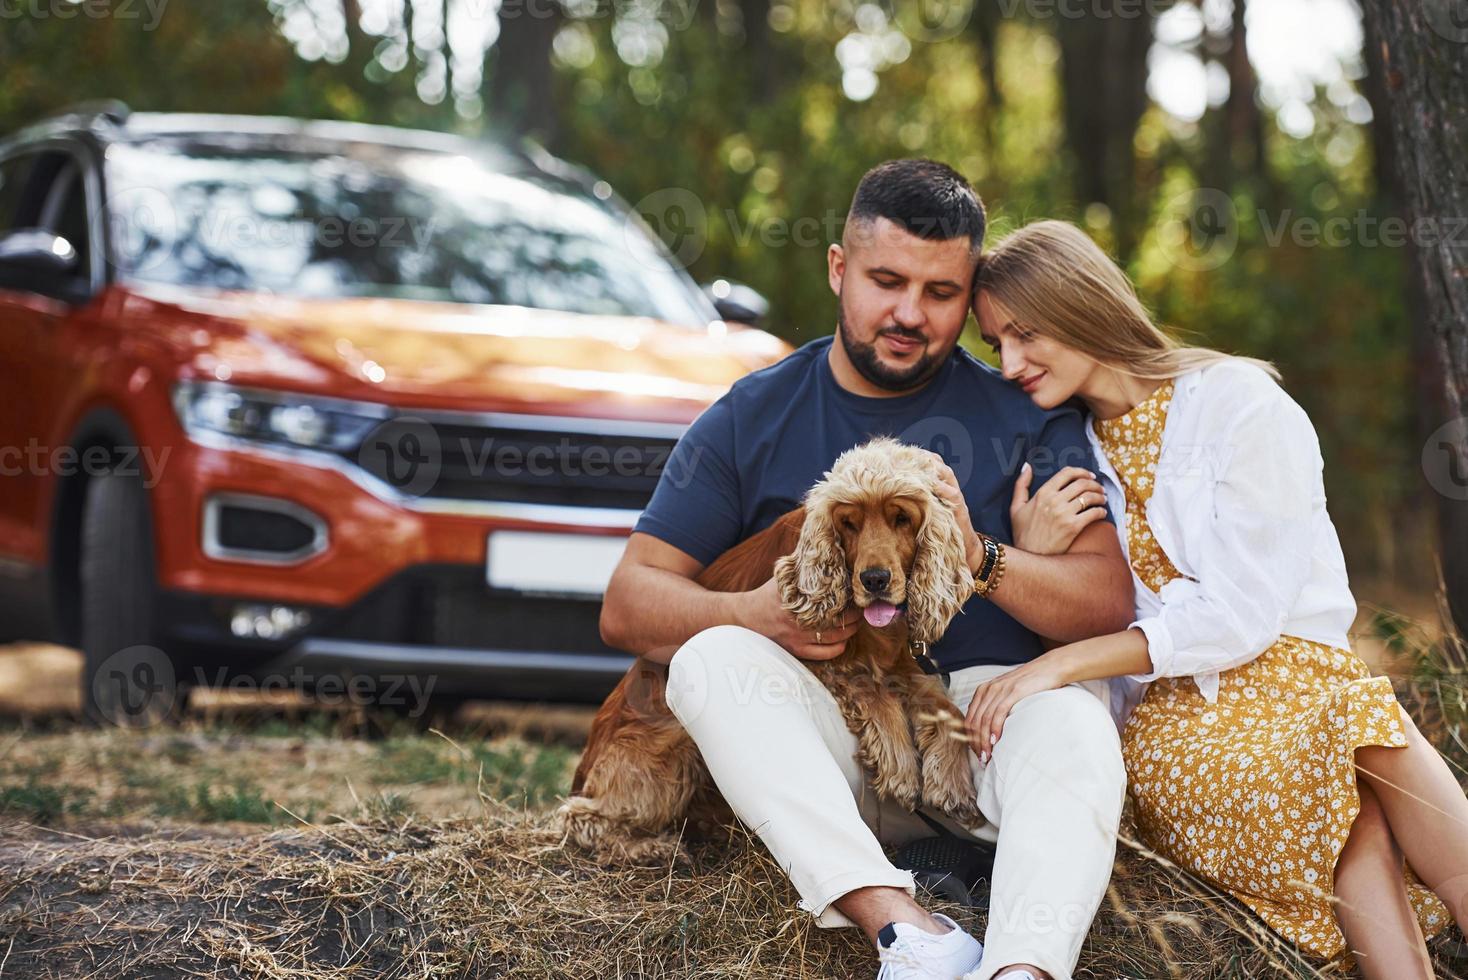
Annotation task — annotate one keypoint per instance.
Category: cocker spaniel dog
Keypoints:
(872, 534)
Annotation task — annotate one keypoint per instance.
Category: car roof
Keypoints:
(110, 122)
(146, 125)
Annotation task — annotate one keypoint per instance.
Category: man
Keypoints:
(1051, 789)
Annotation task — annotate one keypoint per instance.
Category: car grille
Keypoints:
(501, 463)
(450, 606)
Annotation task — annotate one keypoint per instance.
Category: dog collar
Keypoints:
(919, 651)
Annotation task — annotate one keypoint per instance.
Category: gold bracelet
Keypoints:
(991, 569)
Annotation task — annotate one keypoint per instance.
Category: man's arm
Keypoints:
(1085, 592)
(653, 606)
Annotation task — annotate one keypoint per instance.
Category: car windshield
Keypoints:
(345, 219)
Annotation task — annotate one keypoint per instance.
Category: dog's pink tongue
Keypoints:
(880, 613)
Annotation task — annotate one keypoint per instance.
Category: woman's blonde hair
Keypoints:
(1058, 283)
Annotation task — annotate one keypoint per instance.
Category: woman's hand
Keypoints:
(993, 700)
(949, 490)
(1048, 522)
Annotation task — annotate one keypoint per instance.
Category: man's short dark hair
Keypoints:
(926, 198)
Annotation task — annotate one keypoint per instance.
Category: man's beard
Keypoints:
(864, 358)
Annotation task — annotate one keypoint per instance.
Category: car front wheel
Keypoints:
(127, 678)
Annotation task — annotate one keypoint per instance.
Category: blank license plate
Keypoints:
(558, 564)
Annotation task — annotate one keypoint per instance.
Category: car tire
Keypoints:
(127, 678)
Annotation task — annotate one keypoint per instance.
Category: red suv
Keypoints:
(312, 400)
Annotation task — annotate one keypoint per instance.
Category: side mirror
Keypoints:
(37, 249)
(737, 302)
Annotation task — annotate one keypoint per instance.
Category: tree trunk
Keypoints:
(1420, 53)
(412, 65)
(1383, 155)
(1104, 84)
(1234, 149)
(762, 66)
(359, 45)
(1245, 121)
(984, 23)
(519, 75)
(448, 58)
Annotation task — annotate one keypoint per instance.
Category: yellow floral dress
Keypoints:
(1255, 793)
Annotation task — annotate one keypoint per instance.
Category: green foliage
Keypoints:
(519, 772)
(43, 803)
(206, 802)
(753, 121)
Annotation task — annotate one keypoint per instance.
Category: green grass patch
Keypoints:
(44, 803)
(515, 771)
(204, 802)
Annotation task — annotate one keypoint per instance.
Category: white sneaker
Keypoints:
(910, 953)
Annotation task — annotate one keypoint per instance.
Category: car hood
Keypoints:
(464, 356)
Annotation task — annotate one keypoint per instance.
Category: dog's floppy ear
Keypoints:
(813, 582)
(941, 581)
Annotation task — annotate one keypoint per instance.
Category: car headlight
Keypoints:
(332, 424)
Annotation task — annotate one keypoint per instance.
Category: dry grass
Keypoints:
(498, 896)
(373, 893)
(408, 862)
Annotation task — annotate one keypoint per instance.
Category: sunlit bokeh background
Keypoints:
(1121, 115)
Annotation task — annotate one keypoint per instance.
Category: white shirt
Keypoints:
(1239, 506)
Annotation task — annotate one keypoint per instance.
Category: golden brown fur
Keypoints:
(641, 775)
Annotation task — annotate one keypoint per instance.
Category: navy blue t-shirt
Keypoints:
(752, 455)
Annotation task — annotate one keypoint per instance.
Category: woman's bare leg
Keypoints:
(1427, 811)
(1373, 909)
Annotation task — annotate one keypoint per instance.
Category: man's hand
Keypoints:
(1048, 522)
(949, 490)
(760, 610)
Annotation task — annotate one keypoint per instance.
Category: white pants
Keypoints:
(778, 749)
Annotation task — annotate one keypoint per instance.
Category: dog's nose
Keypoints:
(876, 579)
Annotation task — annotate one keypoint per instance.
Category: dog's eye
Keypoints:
(901, 520)
(848, 524)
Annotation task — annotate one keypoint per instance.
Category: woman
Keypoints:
(1262, 754)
